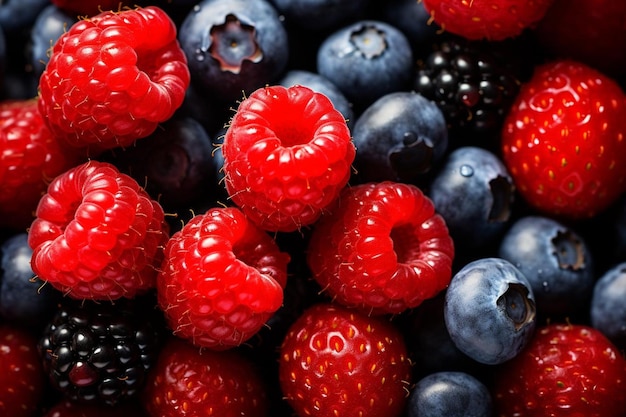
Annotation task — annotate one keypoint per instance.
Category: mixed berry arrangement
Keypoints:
(313, 208)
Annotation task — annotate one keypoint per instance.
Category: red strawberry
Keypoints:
(190, 382)
(493, 20)
(338, 362)
(381, 248)
(563, 139)
(67, 408)
(31, 156)
(567, 370)
(21, 374)
(590, 31)
(287, 154)
(113, 78)
(97, 234)
(222, 278)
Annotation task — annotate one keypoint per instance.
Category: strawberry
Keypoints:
(189, 382)
(563, 137)
(338, 362)
(566, 370)
(112, 78)
(381, 248)
(21, 374)
(287, 154)
(492, 20)
(590, 31)
(221, 279)
(31, 156)
(97, 234)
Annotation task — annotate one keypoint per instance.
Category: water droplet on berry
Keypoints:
(466, 170)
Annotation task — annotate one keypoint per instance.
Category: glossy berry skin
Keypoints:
(400, 137)
(562, 137)
(22, 383)
(366, 60)
(474, 193)
(31, 156)
(555, 259)
(23, 299)
(97, 234)
(112, 78)
(490, 310)
(222, 278)
(607, 311)
(323, 85)
(189, 382)
(100, 352)
(336, 361)
(50, 24)
(494, 20)
(451, 394)
(287, 154)
(566, 370)
(318, 15)
(234, 47)
(381, 248)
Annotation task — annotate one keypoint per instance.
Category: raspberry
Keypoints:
(97, 234)
(31, 156)
(113, 78)
(287, 154)
(382, 248)
(221, 279)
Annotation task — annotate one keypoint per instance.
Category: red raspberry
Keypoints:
(221, 279)
(89, 7)
(113, 78)
(97, 234)
(287, 154)
(31, 156)
(381, 248)
(188, 382)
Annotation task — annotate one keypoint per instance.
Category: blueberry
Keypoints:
(50, 24)
(17, 15)
(399, 137)
(490, 310)
(23, 299)
(474, 193)
(555, 260)
(366, 60)
(175, 163)
(322, 85)
(234, 47)
(450, 394)
(318, 15)
(608, 310)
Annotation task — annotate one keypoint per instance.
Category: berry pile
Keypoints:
(312, 209)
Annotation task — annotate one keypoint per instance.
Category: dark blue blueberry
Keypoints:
(490, 310)
(322, 85)
(23, 298)
(319, 15)
(366, 60)
(474, 193)
(50, 24)
(608, 306)
(399, 137)
(555, 260)
(450, 394)
(17, 15)
(234, 46)
(175, 163)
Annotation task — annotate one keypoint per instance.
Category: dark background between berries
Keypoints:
(180, 165)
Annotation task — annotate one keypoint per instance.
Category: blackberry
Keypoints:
(100, 352)
(474, 84)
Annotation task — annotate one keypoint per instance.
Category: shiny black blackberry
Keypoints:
(99, 352)
(474, 84)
